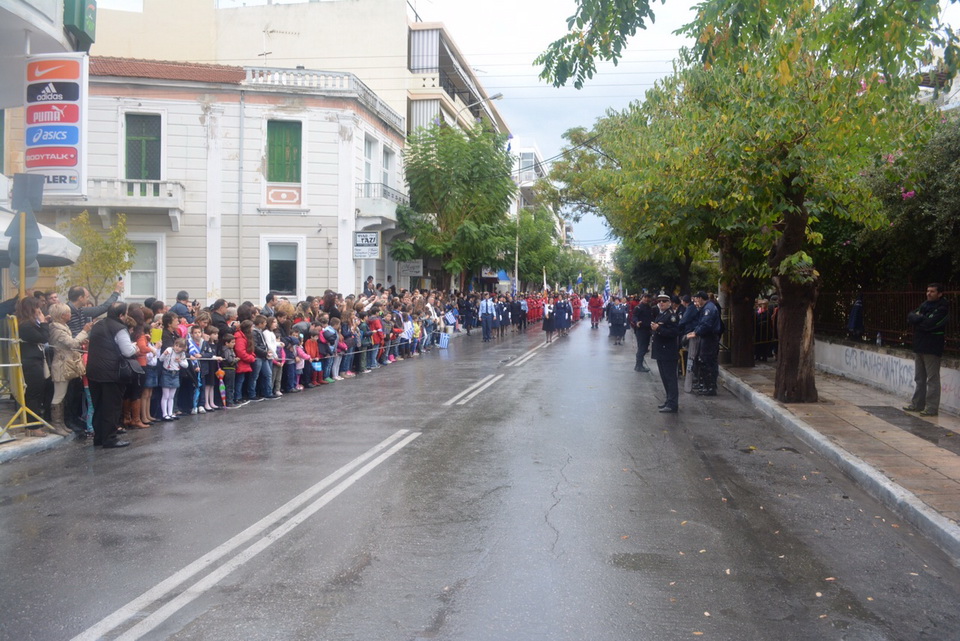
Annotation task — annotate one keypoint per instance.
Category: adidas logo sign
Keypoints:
(49, 93)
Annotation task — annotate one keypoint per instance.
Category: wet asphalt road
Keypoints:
(553, 503)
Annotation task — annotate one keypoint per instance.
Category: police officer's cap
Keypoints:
(701, 295)
(661, 296)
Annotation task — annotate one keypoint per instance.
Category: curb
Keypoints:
(26, 445)
(943, 532)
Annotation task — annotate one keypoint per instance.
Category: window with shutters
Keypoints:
(144, 153)
(283, 151)
(284, 162)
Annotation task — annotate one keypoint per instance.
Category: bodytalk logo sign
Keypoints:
(55, 121)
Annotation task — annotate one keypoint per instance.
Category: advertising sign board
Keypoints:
(366, 245)
(55, 121)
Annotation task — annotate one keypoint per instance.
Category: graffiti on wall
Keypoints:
(891, 371)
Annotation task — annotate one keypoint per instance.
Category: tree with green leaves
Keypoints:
(460, 192)
(784, 106)
(103, 256)
(537, 243)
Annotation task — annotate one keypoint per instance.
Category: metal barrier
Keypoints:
(11, 376)
(884, 313)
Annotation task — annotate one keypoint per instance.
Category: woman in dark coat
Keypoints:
(35, 335)
(564, 313)
(549, 317)
(109, 344)
(617, 315)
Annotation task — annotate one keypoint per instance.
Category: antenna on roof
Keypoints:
(273, 32)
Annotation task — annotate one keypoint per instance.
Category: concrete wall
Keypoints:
(887, 369)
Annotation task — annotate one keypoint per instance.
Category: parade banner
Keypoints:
(56, 121)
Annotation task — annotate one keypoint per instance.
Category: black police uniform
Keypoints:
(643, 314)
(664, 350)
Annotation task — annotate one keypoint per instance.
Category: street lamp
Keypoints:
(496, 96)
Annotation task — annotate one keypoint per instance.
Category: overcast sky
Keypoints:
(501, 38)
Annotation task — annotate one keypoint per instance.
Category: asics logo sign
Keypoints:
(53, 134)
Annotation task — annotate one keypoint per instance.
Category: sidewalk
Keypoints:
(910, 464)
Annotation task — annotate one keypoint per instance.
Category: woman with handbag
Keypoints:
(109, 372)
(34, 335)
(67, 361)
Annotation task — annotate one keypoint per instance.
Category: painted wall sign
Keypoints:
(366, 245)
(410, 268)
(55, 121)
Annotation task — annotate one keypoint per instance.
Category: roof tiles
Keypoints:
(165, 70)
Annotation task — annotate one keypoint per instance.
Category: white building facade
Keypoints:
(238, 181)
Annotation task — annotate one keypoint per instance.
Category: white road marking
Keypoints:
(144, 601)
(480, 389)
(468, 390)
(525, 357)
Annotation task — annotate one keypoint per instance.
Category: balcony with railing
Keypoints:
(327, 82)
(377, 204)
(118, 195)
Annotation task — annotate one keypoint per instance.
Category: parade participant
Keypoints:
(502, 318)
(563, 313)
(487, 312)
(929, 323)
(524, 310)
(596, 310)
(643, 314)
(708, 330)
(549, 318)
(664, 332)
(617, 315)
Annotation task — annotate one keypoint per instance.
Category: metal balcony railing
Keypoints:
(379, 190)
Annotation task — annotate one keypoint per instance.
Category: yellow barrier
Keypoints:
(11, 376)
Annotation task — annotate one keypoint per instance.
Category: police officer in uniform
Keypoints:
(665, 330)
(708, 329)
(643, 314)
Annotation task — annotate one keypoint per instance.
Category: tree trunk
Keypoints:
(743, 324)
(796, 367)
(683, 266)
(741, 293)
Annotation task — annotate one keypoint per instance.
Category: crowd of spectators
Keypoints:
(104, 369)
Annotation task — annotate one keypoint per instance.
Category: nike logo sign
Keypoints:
(39, 73)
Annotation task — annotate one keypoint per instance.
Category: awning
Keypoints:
(54, 251)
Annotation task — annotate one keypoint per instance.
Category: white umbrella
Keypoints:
(55, 249)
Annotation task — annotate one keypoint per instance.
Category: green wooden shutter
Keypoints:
(143, 147)
(283, 151)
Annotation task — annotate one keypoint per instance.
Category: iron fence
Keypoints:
(884, 315)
